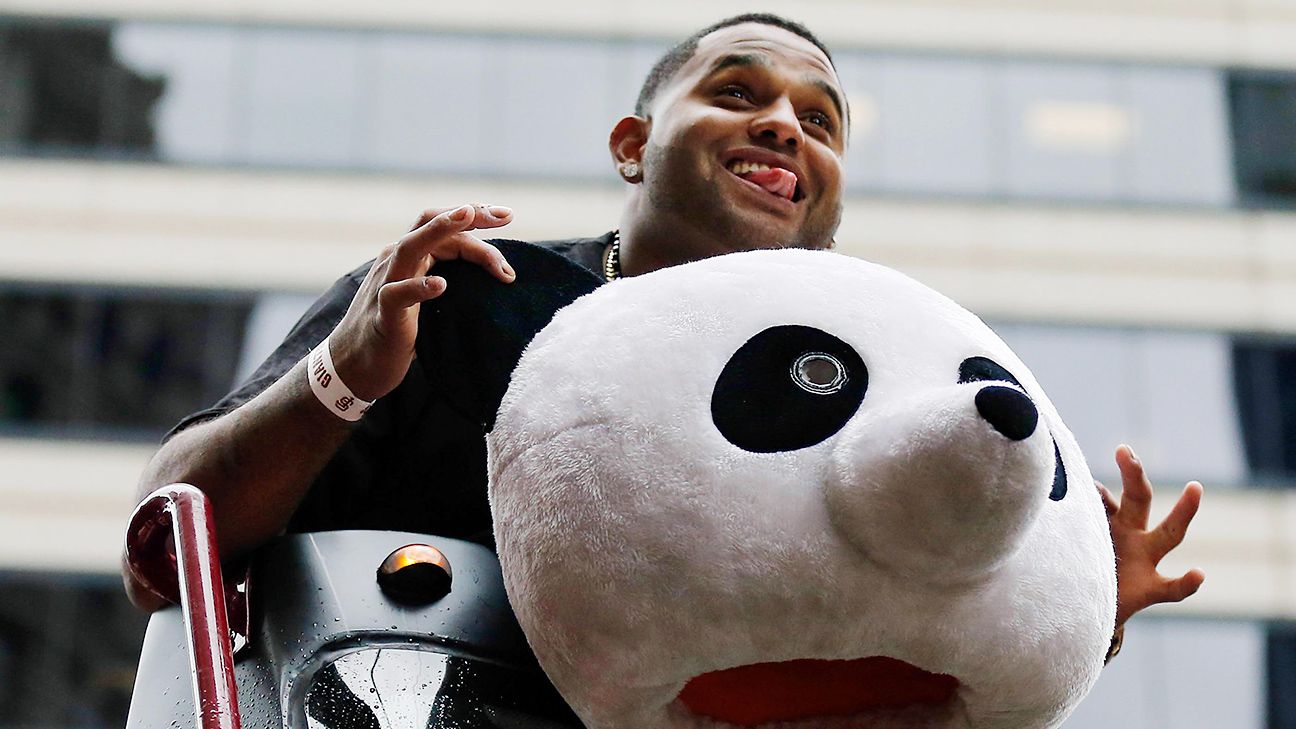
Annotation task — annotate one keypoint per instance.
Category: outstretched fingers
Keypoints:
(1170, 532)
(476, 251)
(404, 294)
(1160, 590)
(1136, 490)
(444, 236)
(373, 345)
(485, 216)
(1110, 504)
(1139, 549)
(413, 250)
(1179, 588)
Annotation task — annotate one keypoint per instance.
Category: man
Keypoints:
(736, 143)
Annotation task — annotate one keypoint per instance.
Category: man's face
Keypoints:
(745, 145)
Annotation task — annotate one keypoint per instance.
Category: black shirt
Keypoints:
(412, 463)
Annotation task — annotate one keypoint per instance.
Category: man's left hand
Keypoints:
(1138, 549)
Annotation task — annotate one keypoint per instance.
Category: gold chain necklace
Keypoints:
(612, 263)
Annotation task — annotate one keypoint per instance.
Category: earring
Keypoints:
(630, 170)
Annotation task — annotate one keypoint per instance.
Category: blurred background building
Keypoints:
(1110, 184)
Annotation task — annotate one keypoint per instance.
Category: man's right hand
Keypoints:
(373, 346)
(257, 462)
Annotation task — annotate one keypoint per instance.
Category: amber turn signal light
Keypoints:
(415, 574)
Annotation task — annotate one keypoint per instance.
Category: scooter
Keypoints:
(330, 630)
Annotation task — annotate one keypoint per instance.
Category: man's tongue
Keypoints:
(776, 181)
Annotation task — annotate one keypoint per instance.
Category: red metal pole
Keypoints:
(191, 575)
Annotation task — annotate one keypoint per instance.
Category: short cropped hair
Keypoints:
(674, 59)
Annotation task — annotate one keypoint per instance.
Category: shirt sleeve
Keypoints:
(318, 321)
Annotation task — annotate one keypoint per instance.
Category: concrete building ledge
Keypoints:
(164, 226)
(1260, 33)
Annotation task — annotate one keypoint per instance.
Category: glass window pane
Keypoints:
(551, 109)
(632, 61)
(1280, 659)
(1180, 150)
(1265, 381)
(1190, 414)
(1067, 130)
(1186, 674)
(195, 116)
(303, 101)
(936, 125)
(1087, 374)
(68, 648)
(119, 361)
(861, 78)
(1263, 109)
(431, 96)
(67, 92)
(1213, 673)
(1167, 394)
(268, 323)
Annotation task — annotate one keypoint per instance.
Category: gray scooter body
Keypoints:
(329, 650)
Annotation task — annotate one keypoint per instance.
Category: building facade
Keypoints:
(1111, 185)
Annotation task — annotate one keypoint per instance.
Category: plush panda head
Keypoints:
(794, 489)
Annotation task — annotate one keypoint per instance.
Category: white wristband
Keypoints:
(329, 388)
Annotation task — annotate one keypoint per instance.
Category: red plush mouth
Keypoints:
(807, 689)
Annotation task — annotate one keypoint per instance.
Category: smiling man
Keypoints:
(739, 146)
(736, 144)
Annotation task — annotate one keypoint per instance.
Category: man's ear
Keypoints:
(472, 336)
(627, 142)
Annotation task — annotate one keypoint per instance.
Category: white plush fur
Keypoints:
(640, 548)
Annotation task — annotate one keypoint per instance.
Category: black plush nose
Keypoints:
(1008, 410)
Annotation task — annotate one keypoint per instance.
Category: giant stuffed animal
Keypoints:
(778, 489)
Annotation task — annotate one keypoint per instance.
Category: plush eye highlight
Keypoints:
(788, 387)
(819, 373)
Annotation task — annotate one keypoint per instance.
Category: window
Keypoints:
(115, 359)
(68, 650)
(1281, 660)
(66, 92)
(1263, 107)
(1265, 380)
